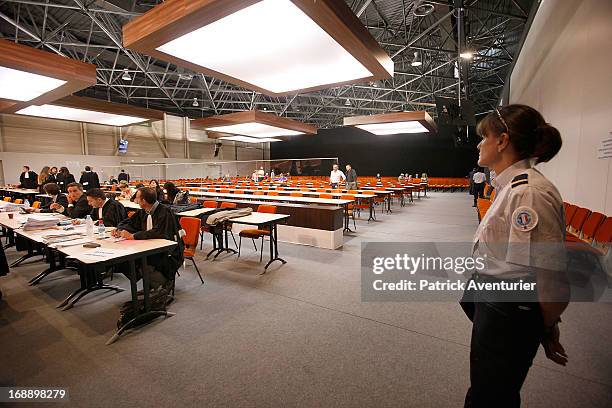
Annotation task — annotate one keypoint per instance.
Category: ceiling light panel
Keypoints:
(302, 55)
(277, 47)
(25, 86)
(79, 115)
(394, 128)
(247, 139)
(255, 130)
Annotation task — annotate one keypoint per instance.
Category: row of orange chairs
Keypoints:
(35, 204)
(588, 227)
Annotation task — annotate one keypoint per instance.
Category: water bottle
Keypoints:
(101, 229)
(89, 227)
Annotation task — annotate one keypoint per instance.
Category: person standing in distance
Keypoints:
(351, 178)
(478, 178)
(28, 178)
(89, 179)
(336, 176)
(522, 236)
(123, 176)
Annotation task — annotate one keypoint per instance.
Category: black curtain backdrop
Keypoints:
(390, 155)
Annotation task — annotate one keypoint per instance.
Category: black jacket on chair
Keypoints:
(30, 182)
(90, 180)
(113, 212)
(61, 199)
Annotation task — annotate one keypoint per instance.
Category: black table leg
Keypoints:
(31, 253)
(146, 316)
(273, 248)
(53, 267)
(93, 283)
(346, 219)
(371, 205)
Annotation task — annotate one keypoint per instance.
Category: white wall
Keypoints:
(565, 71)
(41, 142)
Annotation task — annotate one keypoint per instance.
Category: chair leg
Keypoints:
(197, 270)
(201, 240)
(255, 245)
(261, 249)
(233, 237)
(239, 244)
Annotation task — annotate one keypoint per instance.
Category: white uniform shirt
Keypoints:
(525, 226)
(479, 177)
(336, 176)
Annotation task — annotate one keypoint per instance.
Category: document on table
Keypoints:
(77, 241)
(105, 253)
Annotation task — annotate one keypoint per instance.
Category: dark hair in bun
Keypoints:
(529, 133)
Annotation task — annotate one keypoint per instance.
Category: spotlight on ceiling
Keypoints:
(195, 102)
(416, 61)
(126, 75)
(347, 103)
(467, 55)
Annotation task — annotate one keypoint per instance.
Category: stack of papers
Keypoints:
(35, 222)
(10, 207)
(61, 237)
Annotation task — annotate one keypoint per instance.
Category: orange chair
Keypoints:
(296, 194)
(569, 213)
(326, 196)
(19, 201)
(7, 199)
(193, 200)
(36, 204)
(350, 207)
(321, 190)
(259, 192)
(578, 220)
(210, 204)
(589, 229)
(192, 226)
(130, 213)
(273, 193)
(257, 233)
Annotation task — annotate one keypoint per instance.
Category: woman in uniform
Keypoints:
(522, 236)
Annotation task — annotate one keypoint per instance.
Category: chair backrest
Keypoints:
(569, 214)
(296, 194)
(272, 193)
(193, 200)
(224, 190)
(304, 189)
(266, 208)
(347, 197)
(321, 190)
(604, 232)
(19, 201)
(353, 191)
(7, 199)
(492, 196)
(591, 225)
(210, 204)
(259, 192)
(191, 225)
(36, 204)
(225, 204)
(327, 196)
(579, 218)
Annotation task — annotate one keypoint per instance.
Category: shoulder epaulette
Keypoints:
(520, 180)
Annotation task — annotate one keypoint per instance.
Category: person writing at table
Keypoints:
(111, 212)
(126, 191)
(77, 206)
(336, 176)
(57, 197)
(154, 221)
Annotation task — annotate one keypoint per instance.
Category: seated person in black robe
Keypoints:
(77, 207)
(155, 221)
(111, 212)
(57, 197)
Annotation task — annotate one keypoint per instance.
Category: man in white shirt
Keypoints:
(336, 176)
(479, 179)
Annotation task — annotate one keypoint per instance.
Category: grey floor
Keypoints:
(297, 336)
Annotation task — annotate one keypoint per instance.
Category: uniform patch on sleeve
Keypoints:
(524, 219)
(520, 180)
